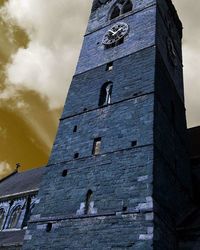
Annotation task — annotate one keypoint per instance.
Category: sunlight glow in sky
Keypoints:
(39, 45)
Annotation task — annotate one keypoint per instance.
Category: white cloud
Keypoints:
(46, 65)
(5, 169)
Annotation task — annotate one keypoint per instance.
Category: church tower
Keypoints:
(119, 173)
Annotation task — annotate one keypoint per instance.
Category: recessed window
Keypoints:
(14, 218)
(64, 173)
(87, 201)
(134, 143)
(76, 155)
(105, 94)
(115, 12)
(75, 129)
(48, 227)
(109, 66)
(121, 7)
(127, 7)
(29, 212)
(96, 146)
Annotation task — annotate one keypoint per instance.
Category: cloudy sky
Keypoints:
(40, 41)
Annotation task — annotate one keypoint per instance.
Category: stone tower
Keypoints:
(118, 176)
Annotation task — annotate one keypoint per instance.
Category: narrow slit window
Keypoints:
(64, 173)
(87, 201)
(134, 143)
(96, 146)
(76, 155)
(105, 94)
(75, 129)
(48, 227)
(109, 66)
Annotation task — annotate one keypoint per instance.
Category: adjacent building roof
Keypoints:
(17, 184)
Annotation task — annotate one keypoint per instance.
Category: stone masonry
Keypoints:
(133, 193)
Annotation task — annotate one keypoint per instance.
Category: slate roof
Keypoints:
(11, 238)
(18, 183)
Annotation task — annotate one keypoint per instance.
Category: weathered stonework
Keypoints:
(140, 182)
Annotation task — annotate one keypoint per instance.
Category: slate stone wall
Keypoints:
(100, 17)
(172, 188)
(131, 77)
(128, 231)
(142, 27)
(118, 125)
(136, 190)
(119, 179)
(164, 32)
(11, 247)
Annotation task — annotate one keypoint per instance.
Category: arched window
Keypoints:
(121, 7)
(105, 94)
(2, 216)
(87, 201)
(128, 6)
(115, 12)
(28, 213)
(14, 218)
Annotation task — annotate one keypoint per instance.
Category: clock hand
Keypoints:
(117, 31)
(111, 31)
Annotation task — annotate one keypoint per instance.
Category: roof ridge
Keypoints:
(8, 176)
(32, 169)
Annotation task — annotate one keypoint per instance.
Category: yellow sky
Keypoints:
(40, 42)
(28, 125)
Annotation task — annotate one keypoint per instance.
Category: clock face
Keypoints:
(115, 33)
